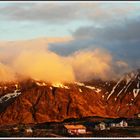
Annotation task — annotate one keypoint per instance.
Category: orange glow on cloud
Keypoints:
(34, 60)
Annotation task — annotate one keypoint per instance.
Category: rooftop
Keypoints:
(74, 126)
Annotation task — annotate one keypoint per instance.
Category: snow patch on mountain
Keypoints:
(138, 84)
(41, 83)
(90, 87)
(79, 84)
(136, 92)
(9, 96)
(80, 90)
(113, 90)
(59, 85)
(127, 80)
(98, 90)
(121, 91)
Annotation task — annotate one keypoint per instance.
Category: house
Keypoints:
(125, 124)
(15, 129)
(119, 123)
(28, 130)
(137, 115)
(74, 129)
(112, 125)
(100, 126)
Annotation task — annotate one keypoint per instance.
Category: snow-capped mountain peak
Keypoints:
(128, 83)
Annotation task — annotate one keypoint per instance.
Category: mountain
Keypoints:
(34, 101)
(125, 95)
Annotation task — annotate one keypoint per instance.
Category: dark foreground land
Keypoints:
(56, 129)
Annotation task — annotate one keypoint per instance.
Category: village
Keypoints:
(101, 128)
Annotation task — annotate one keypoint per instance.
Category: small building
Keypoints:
(112, 125)
(75, 129)
(137, 115)
(100, 126)
(15, 129)
(119, 123)
(28, 130)
(125, 124)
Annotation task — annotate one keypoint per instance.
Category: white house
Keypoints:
(139, 115)
(121, 123)
(112, 125)
(125, 124)
(75, 129)
(15, 129)
(100, 126)
(29, 130)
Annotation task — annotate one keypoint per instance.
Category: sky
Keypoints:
(31, 20)
(108, 30)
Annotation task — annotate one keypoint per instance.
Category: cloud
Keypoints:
(47, 12)
(38, 62)
(56, 13)
(6, 73)
(43, 66)
(10, 49)
(96, 64)
(105, 49)
(120, 39)
(31, 59)
(92, 64)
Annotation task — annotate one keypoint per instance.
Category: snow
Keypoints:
(98, 90)
(138, 85)
(132, 74)
(128, 86)
(136, 75)
(80, 84)
(29, 130)
(131, 83)
(5, 87)
(16, 85)
(80, 90)
(136, 92)
(9, 95)
(59, 85)
(44, 84)
(90, 87)
(121, 91)
(118, 108)
(114, 88)
(41, 83)
(128, 79)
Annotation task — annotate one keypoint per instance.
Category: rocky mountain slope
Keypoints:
(33, 101)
